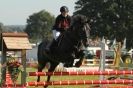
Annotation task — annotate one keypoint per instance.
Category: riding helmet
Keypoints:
(64, 9)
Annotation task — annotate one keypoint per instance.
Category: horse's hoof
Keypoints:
(45, 86)
(112, 78)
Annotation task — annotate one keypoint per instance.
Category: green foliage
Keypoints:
(110, 18)
(39, 25)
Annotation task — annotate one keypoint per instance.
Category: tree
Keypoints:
(39, 25)
(110, 18)
(1, 27)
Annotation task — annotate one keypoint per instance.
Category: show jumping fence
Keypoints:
(81, 73)
(80, 82)
(76, 82)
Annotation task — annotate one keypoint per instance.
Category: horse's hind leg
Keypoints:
(81, 59)
(40, 68)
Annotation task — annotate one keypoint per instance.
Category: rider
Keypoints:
(62, 23)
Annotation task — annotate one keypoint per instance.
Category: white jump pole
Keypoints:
(102, 59)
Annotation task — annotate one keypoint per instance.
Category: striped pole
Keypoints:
(80, 82)
(11, 85)
(72, 83)
(80, 73)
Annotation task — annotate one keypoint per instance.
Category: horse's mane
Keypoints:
(78, 20)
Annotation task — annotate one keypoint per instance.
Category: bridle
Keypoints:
(85, 37)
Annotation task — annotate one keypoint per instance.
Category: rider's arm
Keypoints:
(57, 23)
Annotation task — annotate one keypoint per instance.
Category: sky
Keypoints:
(15, 12)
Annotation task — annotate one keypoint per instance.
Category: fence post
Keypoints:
(23, 61)
(3, 61)
(102, 60)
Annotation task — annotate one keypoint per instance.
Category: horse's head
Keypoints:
(81, 28)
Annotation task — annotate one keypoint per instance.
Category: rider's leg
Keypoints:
(52, 44)
(56, 34)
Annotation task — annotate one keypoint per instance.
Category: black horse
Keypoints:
(68, 47)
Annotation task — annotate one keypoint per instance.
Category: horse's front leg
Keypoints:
(81, 59)
(40, 68)
(51, 69)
